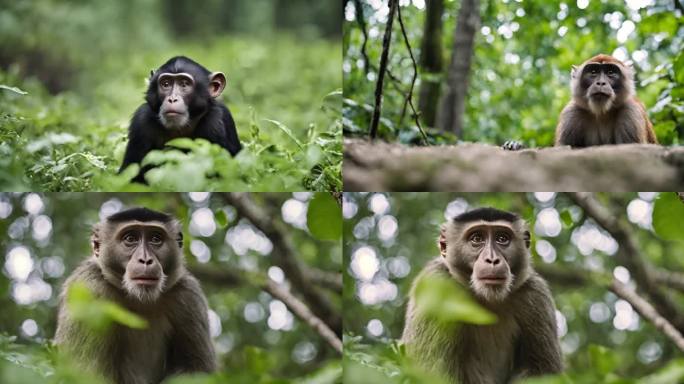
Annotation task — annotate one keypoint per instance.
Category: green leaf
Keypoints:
(221, 218)
(13, 89)
(98, 313)
(603, 360)
(287, 131)
(668, 217)
(444, 300)
(324, 217)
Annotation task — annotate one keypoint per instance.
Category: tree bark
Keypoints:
(453, 105)
(431, 62)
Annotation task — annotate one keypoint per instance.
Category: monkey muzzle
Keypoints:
(493, 280)
(145, 280)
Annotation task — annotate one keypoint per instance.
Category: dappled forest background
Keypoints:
(591, 248)
(268, 263)
(72, 73)
(491, 71)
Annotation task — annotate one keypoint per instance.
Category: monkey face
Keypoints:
(175, 91)
(602, 83)
(486, 255)
(181, 95)
(137, 257)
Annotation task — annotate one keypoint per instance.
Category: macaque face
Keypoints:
(602, 83)
(138, 258)
(486, 255)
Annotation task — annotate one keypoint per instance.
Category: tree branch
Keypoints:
(386, 40)
(227, 277)
(646, 310)
(579, 278)
(409, 98)
(284, 256)
(629, 255)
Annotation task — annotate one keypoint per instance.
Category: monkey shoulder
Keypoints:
(186, 296)
(89, 274)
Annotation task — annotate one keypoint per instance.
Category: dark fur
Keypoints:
(524, 341)
(147, 133)
(177, 339)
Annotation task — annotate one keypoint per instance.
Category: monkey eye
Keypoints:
(130, 238)
(165, 83)
(476, 238)
(502, 238)
(156, 239)
(185, 83)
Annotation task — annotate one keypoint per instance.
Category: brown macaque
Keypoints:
(137, 262)
(487, 251)
(604, 108)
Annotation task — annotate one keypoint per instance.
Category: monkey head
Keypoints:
(179, 92)
(139, 251)
(488, 250)
(602, 83)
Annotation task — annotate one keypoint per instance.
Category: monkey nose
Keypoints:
(145, 261)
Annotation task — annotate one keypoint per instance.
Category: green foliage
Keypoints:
(98, 314)
(324, 217)
(520, 71)
(283, 93)
(441, 299)
(668, 212)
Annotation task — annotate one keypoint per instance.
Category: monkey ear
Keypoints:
(179, 239)
(217, 82)
(527, 237)
(442, 241)
(573, 71)
(95, 240)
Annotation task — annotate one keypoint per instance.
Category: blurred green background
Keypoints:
(73, 72)
(257, 338)
(389, 237)
(520, 71)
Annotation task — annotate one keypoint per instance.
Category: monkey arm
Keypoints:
(570, 126)
(191, 348)
(631, 125)
(539, 349)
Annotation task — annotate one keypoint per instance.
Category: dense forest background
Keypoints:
(72, 73)
(490, 71)
(591, 248)
(254, 254)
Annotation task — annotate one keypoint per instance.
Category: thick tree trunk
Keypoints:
(453, 105)
(431, 62)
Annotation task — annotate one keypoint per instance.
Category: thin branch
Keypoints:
(674, 280)
(302, 312)
(362, 25)
(646, 310)
(386, 40)
(284, 256)
(325, 279)
(629, 255)
(227, 277)
(580, 278)
(409, 98)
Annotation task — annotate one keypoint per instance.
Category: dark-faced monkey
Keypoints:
(604, 108)
(486, 251)
(181, 101)
(137, 262)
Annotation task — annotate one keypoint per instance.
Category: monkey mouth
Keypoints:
(600, 96)
(172, 113)
(143, 280)
(493, 280)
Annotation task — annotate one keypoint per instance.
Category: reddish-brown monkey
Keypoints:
(604, 108)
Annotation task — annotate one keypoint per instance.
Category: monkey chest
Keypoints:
(488, 352)
(146, 352)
